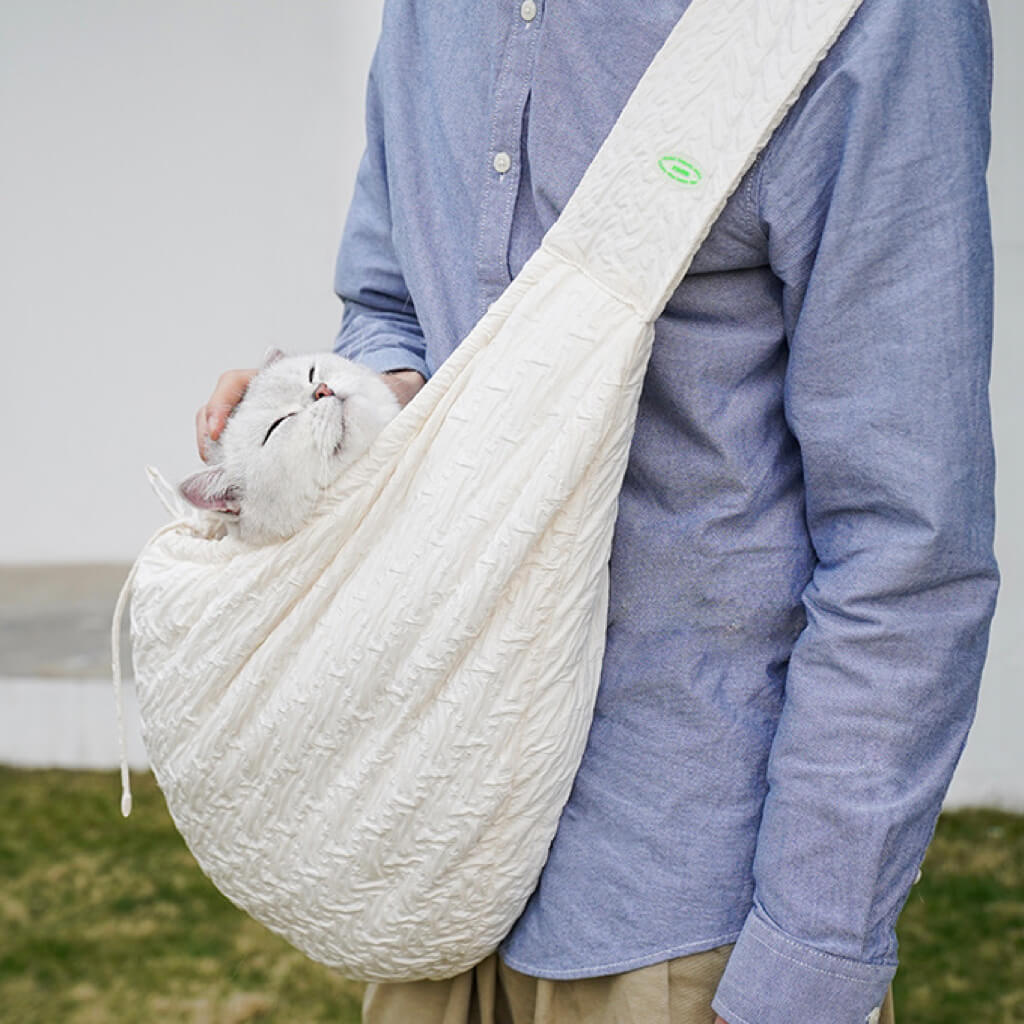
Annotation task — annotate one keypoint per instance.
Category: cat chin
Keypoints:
(257, 533)
(258, 538)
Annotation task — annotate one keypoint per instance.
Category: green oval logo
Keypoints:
(683, 171)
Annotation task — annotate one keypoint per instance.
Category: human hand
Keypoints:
(210, 419)
(719, 1020)
(404, 384)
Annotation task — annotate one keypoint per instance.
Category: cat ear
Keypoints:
(272, 356)
(210, 490)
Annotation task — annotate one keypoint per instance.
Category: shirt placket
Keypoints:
(503, 163)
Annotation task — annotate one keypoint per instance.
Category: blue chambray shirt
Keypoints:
(802, 576)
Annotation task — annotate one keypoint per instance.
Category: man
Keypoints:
(802, 574)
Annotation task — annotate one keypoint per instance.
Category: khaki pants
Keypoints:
(675, 992)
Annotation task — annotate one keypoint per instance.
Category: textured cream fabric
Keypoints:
(367, 732)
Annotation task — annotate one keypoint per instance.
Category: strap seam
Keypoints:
(600, 284)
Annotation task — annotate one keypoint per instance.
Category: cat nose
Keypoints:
(322, 391)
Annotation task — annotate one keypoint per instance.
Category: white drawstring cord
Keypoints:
(115, 658)
(173, 505)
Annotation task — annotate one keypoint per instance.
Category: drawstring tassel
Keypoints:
(115, 658)
(173, 505)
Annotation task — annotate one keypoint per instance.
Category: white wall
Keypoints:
(173, 180)
(992, 769)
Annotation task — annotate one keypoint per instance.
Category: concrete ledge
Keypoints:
(55, 620)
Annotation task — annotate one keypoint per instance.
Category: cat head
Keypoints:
(302, 422)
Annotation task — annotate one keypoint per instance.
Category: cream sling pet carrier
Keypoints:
(366, 733)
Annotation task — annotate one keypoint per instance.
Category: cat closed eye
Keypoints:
(273, 426)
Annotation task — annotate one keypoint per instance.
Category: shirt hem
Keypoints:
(617, 966)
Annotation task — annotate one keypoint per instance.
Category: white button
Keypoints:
(528, 11)
(502, 162)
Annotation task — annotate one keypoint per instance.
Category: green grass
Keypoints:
(104, 921)
(962, 931)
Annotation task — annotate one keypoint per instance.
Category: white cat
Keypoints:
(302, 422)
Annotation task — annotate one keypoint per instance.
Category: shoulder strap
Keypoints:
(701, 113)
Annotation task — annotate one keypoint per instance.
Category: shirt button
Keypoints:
(528, 10)
(502, 162)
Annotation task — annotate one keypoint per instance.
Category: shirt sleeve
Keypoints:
(379, 326)
(873, 199)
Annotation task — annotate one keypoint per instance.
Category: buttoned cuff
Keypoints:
(395, 357)
(774, 979)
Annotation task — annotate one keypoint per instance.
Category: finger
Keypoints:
(216, 417)
(202, 429)
(230, 389)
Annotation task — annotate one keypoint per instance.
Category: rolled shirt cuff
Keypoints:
(772, 978)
